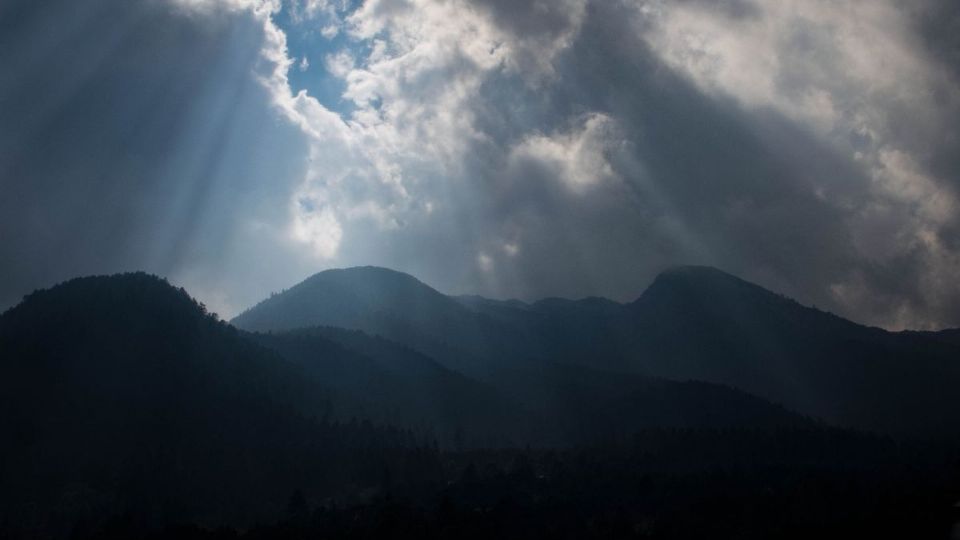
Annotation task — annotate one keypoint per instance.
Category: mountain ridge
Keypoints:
(696, 323)
(124, 392)
(676, 273)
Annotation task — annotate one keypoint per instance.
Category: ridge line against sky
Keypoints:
(510, 149)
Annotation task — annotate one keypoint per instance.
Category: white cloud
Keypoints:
(207, 7)
(412, 122)
(314, 11)
(340, 64)
(485, 262)
(576, 157)
(330, 31)
(315, 224)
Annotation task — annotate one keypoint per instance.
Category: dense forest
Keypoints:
(656, 484)
(373, 406)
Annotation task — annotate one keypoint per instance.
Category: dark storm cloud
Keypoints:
(938, 25)
(698, 183)
(777, 203)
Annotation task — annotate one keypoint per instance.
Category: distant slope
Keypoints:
(349, 297)
(393, 305)
(508, 344)
(582, 404)
(472, 335)
(543, 405)
(694, 323)
(370, 377)
(702, 323)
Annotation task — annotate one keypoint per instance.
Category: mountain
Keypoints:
(389, 304)
(129, 347)
(546, 405)
(121, 396)
(121, 392)
(583, 404)
(473, 335)
(347, 298)
(508, 344)
(371, 377)
(692, 323)
(702, 323)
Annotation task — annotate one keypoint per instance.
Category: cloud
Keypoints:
(534, 148)
(412, 123)
(317, 227)
(577, 157)
(221, 7)
(857, 78)
(794, 142)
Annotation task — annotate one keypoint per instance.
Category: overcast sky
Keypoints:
(511, 149)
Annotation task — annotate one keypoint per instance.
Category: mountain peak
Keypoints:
(367, 274)
(704, 281)
(704, 289)
(697, 272)
(369, 270)
(120, 296)
(706, 292)
(345, 297)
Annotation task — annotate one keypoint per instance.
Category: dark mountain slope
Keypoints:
(696, 322)
(543, 405)
(951, 335)
(583, 404)
(372, 377)
(121, 393)
(131, 335)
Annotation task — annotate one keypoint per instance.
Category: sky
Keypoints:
(510, 149)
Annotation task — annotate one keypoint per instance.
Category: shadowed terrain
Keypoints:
(691, 323)
(128, 410)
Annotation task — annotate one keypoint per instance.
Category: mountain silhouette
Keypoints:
(705, 324)
(389, 304)
(692, 323)
(347, 298)
(371, 377)
(121, 395)
(546, 404)
(122, 392)
(125, 388)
